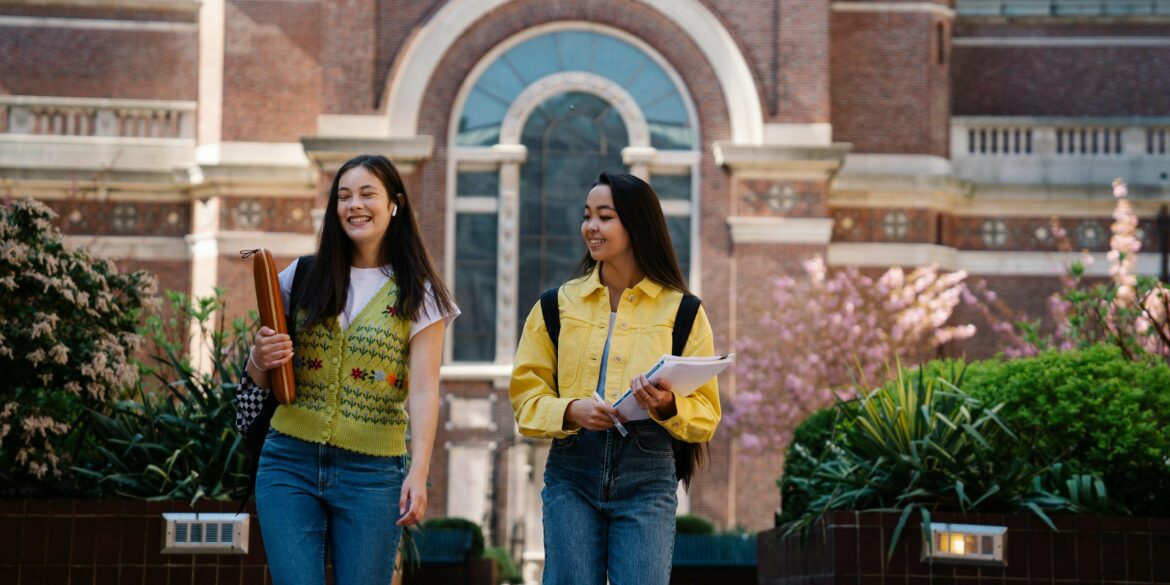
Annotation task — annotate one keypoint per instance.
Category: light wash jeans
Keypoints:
(310, 496)
(609, 506)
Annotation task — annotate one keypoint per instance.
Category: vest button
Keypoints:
(625, 325)
(618, 358)
(632, 297)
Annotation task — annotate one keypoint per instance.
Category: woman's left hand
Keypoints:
(657, 398)
(414, 494)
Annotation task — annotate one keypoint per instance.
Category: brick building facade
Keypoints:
(170, 134)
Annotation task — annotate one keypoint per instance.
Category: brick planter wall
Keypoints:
(117, 542)
(850, 547)
(108, 542)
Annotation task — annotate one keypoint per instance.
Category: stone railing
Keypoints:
(1060, 150)
(113, 118)
(1060, 8)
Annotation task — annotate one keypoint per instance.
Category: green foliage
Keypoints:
(1100, 412)
(693, 524)
(810, 442)
(919, 444)
(177, 440)
(67, 333)
(508, 571)
(477, 542)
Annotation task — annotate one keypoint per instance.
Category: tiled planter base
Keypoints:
(117, 542)
(850, 548)
(108, 542)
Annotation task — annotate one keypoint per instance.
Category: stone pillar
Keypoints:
(511, 156)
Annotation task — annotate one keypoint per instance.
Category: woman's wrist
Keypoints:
(252, 359)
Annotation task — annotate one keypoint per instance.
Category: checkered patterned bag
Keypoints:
(249, 403)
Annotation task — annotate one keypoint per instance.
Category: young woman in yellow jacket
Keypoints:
(610, 498)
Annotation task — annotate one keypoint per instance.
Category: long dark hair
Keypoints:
(640, 212)
(637, 207)
(402, 250)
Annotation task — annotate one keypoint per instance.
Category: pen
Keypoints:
(621, 428)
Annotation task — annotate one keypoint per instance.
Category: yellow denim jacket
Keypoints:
(641, 335)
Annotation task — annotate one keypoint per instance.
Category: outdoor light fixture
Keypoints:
(965, 544)
(195, 534)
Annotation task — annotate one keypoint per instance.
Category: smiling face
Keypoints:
(603, 232)
(364, 208)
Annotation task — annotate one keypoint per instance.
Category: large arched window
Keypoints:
(538, 119)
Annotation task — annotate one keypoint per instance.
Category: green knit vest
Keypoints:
(352, 384)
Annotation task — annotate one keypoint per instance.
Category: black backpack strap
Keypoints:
(684, 320)
(550, 309)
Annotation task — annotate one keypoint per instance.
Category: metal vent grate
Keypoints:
(206, 533)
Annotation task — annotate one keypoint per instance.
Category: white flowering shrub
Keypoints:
(67, 338)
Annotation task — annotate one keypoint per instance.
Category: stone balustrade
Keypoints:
(113, 118)
(1061, 150)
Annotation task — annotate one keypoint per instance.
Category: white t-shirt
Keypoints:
(364, 283)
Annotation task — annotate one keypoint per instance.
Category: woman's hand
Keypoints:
(590, 414)
(414, 494)
(272, 349)
(657, 398)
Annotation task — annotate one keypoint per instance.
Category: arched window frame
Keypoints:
(506, 157)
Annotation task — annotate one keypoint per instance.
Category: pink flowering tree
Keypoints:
(1129, 310)
(67, 337)
(827, 332)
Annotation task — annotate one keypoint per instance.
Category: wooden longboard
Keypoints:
(271, 308)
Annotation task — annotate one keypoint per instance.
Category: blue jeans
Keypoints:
(609, 507)
(310, 496)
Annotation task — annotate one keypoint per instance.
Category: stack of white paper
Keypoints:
(685, 374)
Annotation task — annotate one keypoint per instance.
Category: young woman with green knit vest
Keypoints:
(369, 338)
(610, 494)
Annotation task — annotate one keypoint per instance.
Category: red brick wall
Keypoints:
(396, 21)
(98, 63)
(348, 56)
(272, 74)
(889, 93)
(786, 45)
(1060, 81)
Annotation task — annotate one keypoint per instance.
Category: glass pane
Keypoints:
(670, 136)
(576, 49)
(474, 332)
(617, 60)
(672, 186)
(566, 150)
(477, 184)
(680, 237)
(535, 58)
(501, 81)
(479, 123)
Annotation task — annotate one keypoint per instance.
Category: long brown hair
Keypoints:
(640, 212)
(401, 250)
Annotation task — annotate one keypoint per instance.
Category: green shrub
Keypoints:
(68, 326)
(920, 444)
(693, 524)
(508, 572)
(1103, 414)
(477, 542)
(810, 441)
(176, 439)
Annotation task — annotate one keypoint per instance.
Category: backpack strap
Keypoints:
(550, 309)
(684, 320)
